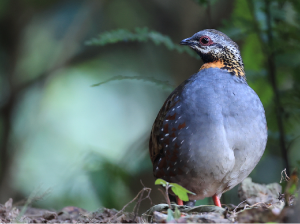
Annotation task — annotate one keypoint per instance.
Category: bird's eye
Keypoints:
(205, 40)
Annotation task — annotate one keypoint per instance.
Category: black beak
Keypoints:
(187, 41)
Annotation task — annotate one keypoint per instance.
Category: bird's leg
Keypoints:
(216, 200)
(179, 201)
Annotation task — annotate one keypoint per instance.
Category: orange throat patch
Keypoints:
(214, 64)
(234, 68)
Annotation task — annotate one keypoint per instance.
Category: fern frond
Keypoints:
(164, 84)
(140, 35)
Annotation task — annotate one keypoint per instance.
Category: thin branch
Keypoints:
(166, 194)
(271, 66)
(166, 197)
(272, 76)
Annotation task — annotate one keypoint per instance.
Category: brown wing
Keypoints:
(155, 145)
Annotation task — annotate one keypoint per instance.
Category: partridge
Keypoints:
(211, 131)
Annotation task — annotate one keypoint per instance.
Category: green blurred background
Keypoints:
(88, 146)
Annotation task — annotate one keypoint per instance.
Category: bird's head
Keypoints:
(216, 50)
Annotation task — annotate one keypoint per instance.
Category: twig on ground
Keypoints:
(239, 205)
(32, 198)
(136, 197)
(263, 203)
(284, 176)
(137, 206)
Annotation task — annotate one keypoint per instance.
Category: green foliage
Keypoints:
(170, 215)
(292, 189)
(205, 2)
(3, 7)
(177, 213)
(161, 182)
(140, 35)
(173, 215)
(109, 179)
(181, 192)
(178, 190)
(164, 84)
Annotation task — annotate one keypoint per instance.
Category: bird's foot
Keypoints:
(179, 201)
(217, 201)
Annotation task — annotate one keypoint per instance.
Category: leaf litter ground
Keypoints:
(260, 203)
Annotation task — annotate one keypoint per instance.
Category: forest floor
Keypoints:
(260, 204)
